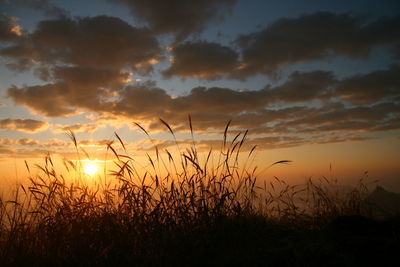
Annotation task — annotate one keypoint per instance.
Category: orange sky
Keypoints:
(316, 83)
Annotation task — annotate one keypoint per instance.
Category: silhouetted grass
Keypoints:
(184, 210)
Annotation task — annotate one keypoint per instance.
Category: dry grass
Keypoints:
(146, 218)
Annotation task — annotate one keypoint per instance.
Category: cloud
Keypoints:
(91, 77)
(54, 142)
(85, 62)
(287, 41)
(261, 143)
(9, 29)
(302, 87)
(367, 118)
(312, 37)
(30, 148)
(23, 125)
(5, 150)
(180, 17)
(22, 142)
(143, 101)
(91, 42)
(23, 153)
(322, 85)
(396, 52)
(202, 60)
(340, 138)
(371, 87)
(269, 110)
(95, 143)
(79, 127)
(223, 100)
(71, 88)
(44, 99)
(28, 142)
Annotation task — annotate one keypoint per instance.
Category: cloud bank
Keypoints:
(86, 65)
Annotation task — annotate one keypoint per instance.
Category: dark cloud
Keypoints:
(285, 42)
(9, 29)
(86, 64)
(85, 61)
(396, 52)
(313, 37)
(46, 99)
(302, 87)
(202, 60)
(223, 100)
(23, 125)
(181, 17)
(83, 83)
(212, 107)
(370, 87)
(95, 42)
(143, 102)
(83, 77)
(367, 118)
(72, 88)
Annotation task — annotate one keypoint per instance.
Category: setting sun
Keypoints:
(90, 168)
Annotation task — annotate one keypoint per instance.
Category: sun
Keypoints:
(90, 168)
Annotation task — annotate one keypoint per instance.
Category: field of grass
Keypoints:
(197, 214)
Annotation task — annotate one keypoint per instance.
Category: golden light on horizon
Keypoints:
(90, 168)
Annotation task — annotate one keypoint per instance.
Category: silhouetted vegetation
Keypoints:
(198, 213)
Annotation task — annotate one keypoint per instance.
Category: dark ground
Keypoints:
(346, 241)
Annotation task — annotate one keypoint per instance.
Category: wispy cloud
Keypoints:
(78, 127)
(23, 125)
(22, 141)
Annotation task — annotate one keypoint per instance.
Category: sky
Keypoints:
(314, 82)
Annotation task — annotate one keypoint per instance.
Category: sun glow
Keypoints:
(90, 168)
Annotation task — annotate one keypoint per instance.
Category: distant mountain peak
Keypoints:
(383, 203)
